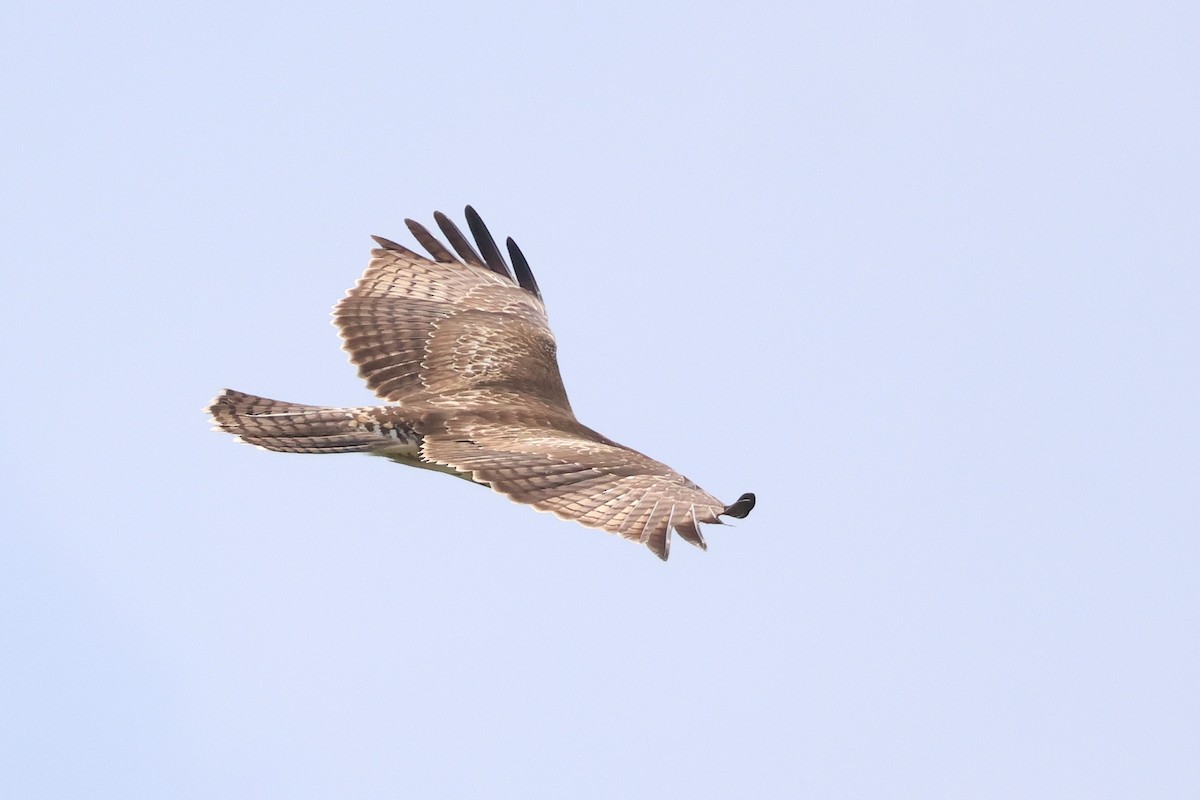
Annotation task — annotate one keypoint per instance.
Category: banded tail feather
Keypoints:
(294, 427)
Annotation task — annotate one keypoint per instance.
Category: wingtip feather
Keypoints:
(388, 244)
(741, 507)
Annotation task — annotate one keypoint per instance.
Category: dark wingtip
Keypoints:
(388, 244)
(487, 245)
(460, 243)
(430, 242)
(740, 508)
(521, 267)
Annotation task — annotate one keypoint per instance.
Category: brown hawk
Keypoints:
(463, 349)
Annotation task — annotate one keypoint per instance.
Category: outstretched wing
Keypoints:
(566, 468)
(450, 327)
(463, 343)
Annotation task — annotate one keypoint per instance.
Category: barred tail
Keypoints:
(291, 427)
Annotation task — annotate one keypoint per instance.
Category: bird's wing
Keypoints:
(446, 325)
(559, 465)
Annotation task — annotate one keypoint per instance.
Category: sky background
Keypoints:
(923, 276)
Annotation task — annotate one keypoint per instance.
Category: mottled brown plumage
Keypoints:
(464, 351)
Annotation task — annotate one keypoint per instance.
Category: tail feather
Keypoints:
(291, 427)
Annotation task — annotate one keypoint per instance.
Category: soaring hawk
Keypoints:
(462, 348)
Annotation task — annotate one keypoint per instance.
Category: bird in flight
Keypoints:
(462, 349)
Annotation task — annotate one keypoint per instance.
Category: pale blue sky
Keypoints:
(923, 276)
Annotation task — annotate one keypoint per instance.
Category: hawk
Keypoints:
(462, 349)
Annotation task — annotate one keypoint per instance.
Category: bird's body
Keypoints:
(463, 350)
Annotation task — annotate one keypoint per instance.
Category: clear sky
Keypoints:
(923, 276)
